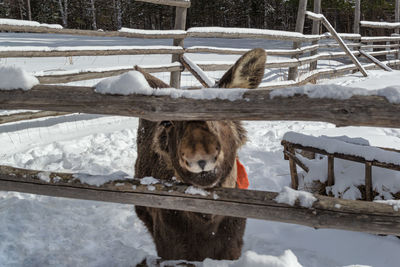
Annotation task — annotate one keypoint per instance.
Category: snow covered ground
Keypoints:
(45, 231)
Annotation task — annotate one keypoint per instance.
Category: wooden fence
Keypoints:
(253, 105)
(316, 48)
(290, 154)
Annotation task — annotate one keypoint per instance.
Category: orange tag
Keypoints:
(242, 179)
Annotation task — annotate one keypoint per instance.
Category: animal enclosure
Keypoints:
(254, 105)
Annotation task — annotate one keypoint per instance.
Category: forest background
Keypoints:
(263, 14)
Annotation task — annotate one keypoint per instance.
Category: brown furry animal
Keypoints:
(201, 153)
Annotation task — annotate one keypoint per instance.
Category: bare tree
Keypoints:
(21, 8)
(118, 13)
(63, 11)
(93, 11)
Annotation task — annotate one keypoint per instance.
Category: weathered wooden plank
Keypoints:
(180, 24)
(332, 45)
(29, 116)
(252, 34)
(71, 53)
(295, 159)
(177, 3)
(375, 61)
(352, 215)
(254, 105)
(241, 51)
(148, 34)
(89, 75)
(338, 39)
(294, 178)
(379, 46)
(198, 75)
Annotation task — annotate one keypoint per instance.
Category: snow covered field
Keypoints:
(45, 231)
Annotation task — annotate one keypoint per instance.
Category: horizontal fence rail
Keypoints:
(352, 215)
(29, 116)
(149, 34)
(252, 105)
(379, 24)
(85, 51)
(89, 74)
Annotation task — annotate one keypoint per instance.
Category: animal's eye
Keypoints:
(166, 124)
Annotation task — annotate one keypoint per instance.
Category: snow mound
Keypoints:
(99, 180)
(149, 181)
(289, 196)
(191, 190)
(12, 78)
(252, 259)
(17, 22)
(132, 82)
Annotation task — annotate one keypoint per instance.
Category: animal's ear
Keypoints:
(153, 81)
(247, 72)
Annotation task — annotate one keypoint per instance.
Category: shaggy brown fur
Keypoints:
(201, 153)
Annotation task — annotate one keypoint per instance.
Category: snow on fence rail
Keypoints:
(379, 24)
(352, 215)
(86, 51)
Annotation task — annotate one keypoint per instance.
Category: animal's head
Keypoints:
(203, 153)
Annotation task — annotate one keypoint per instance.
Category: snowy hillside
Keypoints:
(45, 231)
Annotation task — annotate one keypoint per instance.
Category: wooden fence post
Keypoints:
(180, 24)
(293, 171)
(301, 14)
(331, 170)
(315, 30)
(357, 14)
(368, 181)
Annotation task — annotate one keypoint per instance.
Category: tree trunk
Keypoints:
(21, 9)
(93, 10)
(29, 9)
(63, 12)
(118, 13)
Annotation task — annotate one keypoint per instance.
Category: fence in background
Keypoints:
(254, 105)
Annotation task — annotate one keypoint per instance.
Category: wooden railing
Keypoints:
(290, 154)
(288, 58)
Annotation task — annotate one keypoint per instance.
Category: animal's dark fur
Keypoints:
(170, 149)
